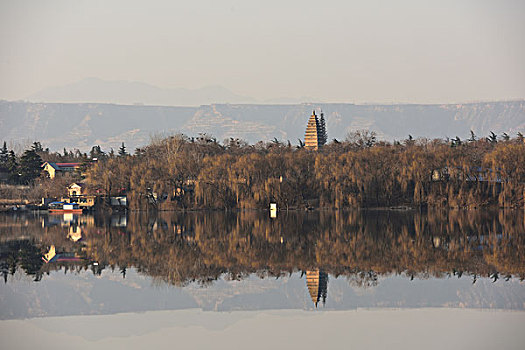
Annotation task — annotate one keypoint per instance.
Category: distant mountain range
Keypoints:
(82, 125)
(94, 90)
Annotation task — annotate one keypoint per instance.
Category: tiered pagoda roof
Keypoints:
(315, 135)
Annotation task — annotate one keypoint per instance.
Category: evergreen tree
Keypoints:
(410, 141)
(78, 154)
(12, 167)
(96, 152)
(122, 151)
(30, 166)
(4, 156)
(493, 138)
(37, 147)
(323, 137)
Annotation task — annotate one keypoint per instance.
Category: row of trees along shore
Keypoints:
(179, 172)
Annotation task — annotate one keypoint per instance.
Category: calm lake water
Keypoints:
(309, 268)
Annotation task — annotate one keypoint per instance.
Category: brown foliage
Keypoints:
(178, 172)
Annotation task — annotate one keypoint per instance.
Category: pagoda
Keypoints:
(315, 135)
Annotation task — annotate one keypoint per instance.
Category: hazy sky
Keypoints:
(366, 51)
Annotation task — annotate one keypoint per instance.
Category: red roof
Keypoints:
(74, 165)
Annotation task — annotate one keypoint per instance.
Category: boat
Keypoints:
(61, 207)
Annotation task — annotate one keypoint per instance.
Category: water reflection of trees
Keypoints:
(361, 245)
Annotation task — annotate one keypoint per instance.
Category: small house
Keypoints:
(54, 169)
(83, 201)
(76, 189)
(86, 201)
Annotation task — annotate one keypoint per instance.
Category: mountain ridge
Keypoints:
(82, 125)
(95, 90)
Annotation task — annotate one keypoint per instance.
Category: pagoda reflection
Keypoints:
(317, 284)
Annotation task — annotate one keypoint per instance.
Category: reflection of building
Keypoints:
(65, 257)
(317, 283)
(74, 233)
(74, 224)
(50, 254)
(119, 221)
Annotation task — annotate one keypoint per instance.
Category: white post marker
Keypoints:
(273, 210)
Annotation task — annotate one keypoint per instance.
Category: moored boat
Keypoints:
(61, 207)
